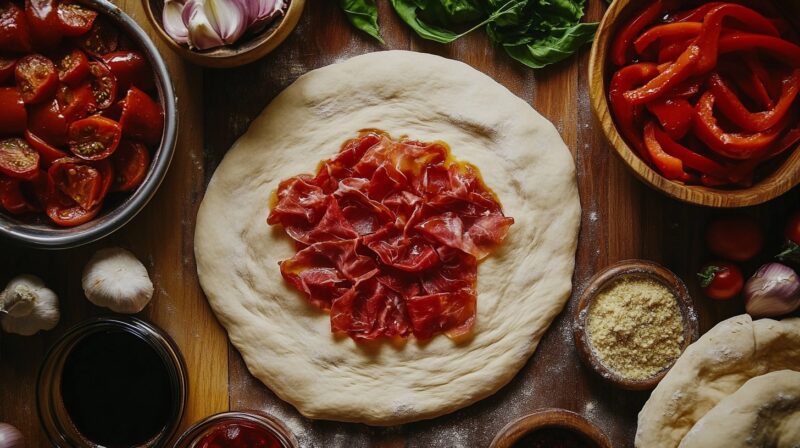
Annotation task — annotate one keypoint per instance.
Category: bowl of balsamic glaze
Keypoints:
(112, 382)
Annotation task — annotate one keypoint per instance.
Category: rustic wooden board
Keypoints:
(621, 219)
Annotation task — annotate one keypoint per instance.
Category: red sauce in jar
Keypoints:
(554, 438)
(239, 435)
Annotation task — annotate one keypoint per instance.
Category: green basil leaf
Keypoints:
(554, 47)
(450, 12)
(363, 14)
(412, 10)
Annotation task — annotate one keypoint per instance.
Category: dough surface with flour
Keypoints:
(286, 342)
(711, 369)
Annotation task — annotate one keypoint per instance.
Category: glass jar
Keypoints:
(199, 430)
(53, 415)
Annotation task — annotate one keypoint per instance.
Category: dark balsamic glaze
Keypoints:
(116, 389)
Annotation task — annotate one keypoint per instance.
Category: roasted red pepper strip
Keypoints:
(731, 145)
(788, 52)
(696, 14)
(740, 173)
(670, 51)
(669, 166)
(621, 47)
(624, 80)
(667, 30)
(686, 89)
(690, 158)
(677, 72)
(732, 108)
(762, 77)
(674, 115)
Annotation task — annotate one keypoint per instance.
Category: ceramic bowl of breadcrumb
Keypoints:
(633, 320)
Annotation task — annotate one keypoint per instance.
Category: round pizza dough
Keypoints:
(712, 368)
(764, 412)
(522, 286)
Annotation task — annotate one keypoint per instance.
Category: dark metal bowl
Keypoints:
(40, 232)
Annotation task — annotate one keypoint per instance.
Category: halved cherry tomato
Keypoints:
(47, 153)
(104, 85)
(75, 19)
(102, 38)
(130, 69)
(106, 170)
(76, 102)
(18, 159)
(66, 214)
(94, 138)
(735, 237)
(14, 30)
(721, 280)
(73, 67)
(7, 65)
(13, 116)
(11, 197)
(142, 118)
(131, 161)
(78, 180)
(42, 17)
(47, 121)
(36, 78)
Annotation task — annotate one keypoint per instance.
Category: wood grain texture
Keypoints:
(162, 237)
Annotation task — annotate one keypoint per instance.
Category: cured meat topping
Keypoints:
(389, 235)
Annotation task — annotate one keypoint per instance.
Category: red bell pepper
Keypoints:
(669, 166)
(677, 72)
(690, 158)
(621, 47)
(686, 89)
(674, 115)
(670, 51)
(732, 108)
(732, 145)
(677, 30)
(696, 14)
(762, 76)
(784, 50)
(625, 113)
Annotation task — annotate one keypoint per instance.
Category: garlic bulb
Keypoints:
(774, 290)
(117, 280)
(10, 437)
(27, 306)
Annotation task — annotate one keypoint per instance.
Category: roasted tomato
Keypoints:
(13, 116)
(14, 30)
(102, 38)
(94, 138)
(721, 280)
(47, 121)
(76, 102)
(792, 230)
(47, 153)
(45, 27)
(12, 198)
(73, 67)
(141, 117)
(78, 180)
(7, 65)
(65, 213)
(104, 85)
(130, 69)
(18, 160)
(735, 237)
(36, 78)
(130, 161)
(75, 19)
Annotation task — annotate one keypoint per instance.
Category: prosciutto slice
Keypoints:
(389, 236)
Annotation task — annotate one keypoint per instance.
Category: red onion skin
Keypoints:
(774, 290)
(10, 437)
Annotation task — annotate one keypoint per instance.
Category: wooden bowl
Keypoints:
(598, 283)
(245, 51)
(778, 182)
(548, 418)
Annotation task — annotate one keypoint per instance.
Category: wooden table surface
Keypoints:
(622, 219)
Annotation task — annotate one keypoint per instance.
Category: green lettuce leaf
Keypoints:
(363, 14)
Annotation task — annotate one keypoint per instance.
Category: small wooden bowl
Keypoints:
(548, 418)
(778, 182)
(604, 278)
(247, 50)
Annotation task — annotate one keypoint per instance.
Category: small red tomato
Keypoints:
(47, 153)
(75, 19)
(131, 161)
(735, 237)
(130, 69)
(141, 117)
(45, 27)
(104, 85)
(76, 102)
(13, 116)
(721, 280)
(106, 174)
(7, 65)
(12, 198)
(47, 122)
(94, 138)
(102, 38)
(78, 180)
(73, 67)
(66, 214)
(36, 78)
(14, 30)
(792, 231)
(18, 160)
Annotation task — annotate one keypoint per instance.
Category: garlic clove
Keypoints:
(228, 17)
(115, 279)
(172, 19)
(28, 306)
(202, 34)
